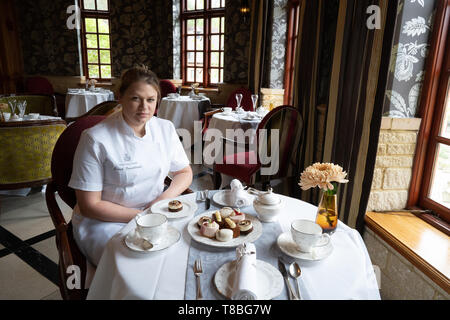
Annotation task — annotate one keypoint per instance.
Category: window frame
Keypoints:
(206, 14)
(292, 42)
(431, 110)
(97, 14)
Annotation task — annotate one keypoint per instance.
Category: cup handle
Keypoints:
(327, 236)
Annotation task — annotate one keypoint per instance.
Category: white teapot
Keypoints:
(268, 206)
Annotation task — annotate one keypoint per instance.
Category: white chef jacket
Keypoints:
(127, 169)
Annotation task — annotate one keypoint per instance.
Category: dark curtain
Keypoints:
(343, 108)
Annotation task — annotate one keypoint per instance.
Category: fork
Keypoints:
(198, 271)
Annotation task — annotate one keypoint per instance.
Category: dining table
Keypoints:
(345, 272)
(183, 111)
(80, 101)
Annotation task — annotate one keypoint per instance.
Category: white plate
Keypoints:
(289, 247)
(270, 280)
(194, 232)
(135, 244)
(162, 207)
(223, 198)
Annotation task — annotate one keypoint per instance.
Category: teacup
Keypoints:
(308, 235)
(173, 95)
(227, 110)
(7, 115)
(151, 227)
(33, 116)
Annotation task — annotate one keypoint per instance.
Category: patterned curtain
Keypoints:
(259, 40)
(343, 108)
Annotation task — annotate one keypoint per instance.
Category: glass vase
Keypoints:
(327, 212)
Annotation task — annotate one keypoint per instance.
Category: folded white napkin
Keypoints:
(245, 286)
(238, 196)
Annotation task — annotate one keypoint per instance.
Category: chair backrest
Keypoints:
(289, 123)
(246, 102)
(38, 85)
(166, 87)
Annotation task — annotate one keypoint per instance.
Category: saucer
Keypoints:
(135, 244)
(289, 247)
(222, 198)
(270, 280)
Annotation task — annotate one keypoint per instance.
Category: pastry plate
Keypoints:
(270, 281)
(135, 244)
(289, 247)
(189, 208)
(223, 198)
(194, 232)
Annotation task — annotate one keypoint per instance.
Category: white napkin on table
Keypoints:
(238, 196)
(245, 286)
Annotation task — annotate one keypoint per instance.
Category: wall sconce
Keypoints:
(245, 9)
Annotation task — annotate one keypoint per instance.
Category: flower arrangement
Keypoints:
(323, 175)
(3, 107)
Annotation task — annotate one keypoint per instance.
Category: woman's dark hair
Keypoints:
(139, 73)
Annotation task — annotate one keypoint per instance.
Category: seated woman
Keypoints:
(120, 164)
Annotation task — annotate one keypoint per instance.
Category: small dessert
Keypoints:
(175, 206)
(202, 219)
(209, 229)
(245, 226)
(217, 217)
(237, 216)
(225, 212)
(224, 235)
(230, 224)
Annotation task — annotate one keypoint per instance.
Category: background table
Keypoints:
(81, 102)
(124, 274)
(183, 111)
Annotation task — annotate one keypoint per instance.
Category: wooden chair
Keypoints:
(62, 159)
(289, 123)
(166, 87)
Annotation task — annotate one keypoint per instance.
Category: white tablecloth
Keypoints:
(182, 111)
(124, 274)
(79, 103)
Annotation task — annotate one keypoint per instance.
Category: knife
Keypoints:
(208, 200)
(292, 295)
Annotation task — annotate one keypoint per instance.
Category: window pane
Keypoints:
(440, 181)
(445, 127)
(190, 26)
(199, 75)
(91, 41)
(191, 43)
(190, 4)
(199, 28)
(105, 56)
(200, 4)
(190, 75)
(214, 76)
(89, 4)
(91, 25)
(221, 75)
(222, 25)
(214, 59)
(215, 25)
(215, 42)
(103, 25)
(221, 59)
(92, 56)
(200, 43)
(104, 41)
(215, 3)
(93, 71)
(106, 71)
(222, 38)
(190, 58)
(199, 56)
(102, 5)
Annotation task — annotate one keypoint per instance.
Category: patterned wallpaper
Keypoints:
(278, 44)
(49, 47)
(408, 58)
(141, 34)
(176, 39)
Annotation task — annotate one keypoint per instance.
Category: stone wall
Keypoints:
(392, 174)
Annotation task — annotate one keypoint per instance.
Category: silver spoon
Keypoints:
(295, 272)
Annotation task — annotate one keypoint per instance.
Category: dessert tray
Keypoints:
(270, 281)
(136, 244)
(194, 232)
(162, 207)
(289, 247)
